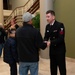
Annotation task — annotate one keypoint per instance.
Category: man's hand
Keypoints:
(48, 43)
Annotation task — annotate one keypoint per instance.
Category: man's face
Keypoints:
(50, 17)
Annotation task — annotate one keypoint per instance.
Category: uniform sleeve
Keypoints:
(40, 42)
(61, 35)
(46, 37)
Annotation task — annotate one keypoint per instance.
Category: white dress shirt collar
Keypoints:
(52, 22)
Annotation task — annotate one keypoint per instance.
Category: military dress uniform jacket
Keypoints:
(56, 34)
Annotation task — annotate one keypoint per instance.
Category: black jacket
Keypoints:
(16, 26)
(56, 34)
(10, 52)
(2, 35)
(29, 40)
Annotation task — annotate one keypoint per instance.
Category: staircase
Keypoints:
(31, 6)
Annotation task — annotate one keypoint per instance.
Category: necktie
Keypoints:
(51, 26)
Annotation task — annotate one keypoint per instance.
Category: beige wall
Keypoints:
(7, 12)
(1, 11)
(17, 3)
(46, 5)
(65, 12)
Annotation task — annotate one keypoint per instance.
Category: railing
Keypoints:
(19, 11)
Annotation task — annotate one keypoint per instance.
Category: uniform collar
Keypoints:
(52, 23)
(26, 24)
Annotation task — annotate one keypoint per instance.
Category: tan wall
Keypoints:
(17, 3)
(1, 11)
(65, 12)
(7, 12)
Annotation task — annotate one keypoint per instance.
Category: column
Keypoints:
(1, 11)
(44, 6)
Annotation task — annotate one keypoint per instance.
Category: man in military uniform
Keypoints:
(55, 31)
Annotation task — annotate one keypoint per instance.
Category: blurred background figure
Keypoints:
(2, 38)
(10, 52)
(13, 24)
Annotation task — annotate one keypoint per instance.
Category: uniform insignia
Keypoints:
(61, 31)
(47, 30)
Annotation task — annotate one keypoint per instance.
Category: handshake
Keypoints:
(48, 43)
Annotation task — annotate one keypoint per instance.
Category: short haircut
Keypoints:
(50, 11)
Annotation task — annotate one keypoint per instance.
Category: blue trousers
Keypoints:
(24, 67)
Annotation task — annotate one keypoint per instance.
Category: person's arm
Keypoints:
(4, 35)
(40, 42)
(61, 35)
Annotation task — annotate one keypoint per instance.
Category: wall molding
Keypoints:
(70, 59)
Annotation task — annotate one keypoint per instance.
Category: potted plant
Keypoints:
(36, 21)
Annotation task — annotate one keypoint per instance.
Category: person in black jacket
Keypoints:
(55, 31)
(29, 40)
(10, 55)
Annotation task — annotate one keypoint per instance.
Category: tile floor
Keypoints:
(43, 67)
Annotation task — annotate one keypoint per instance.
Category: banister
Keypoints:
(30, 6)
(15, 10)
